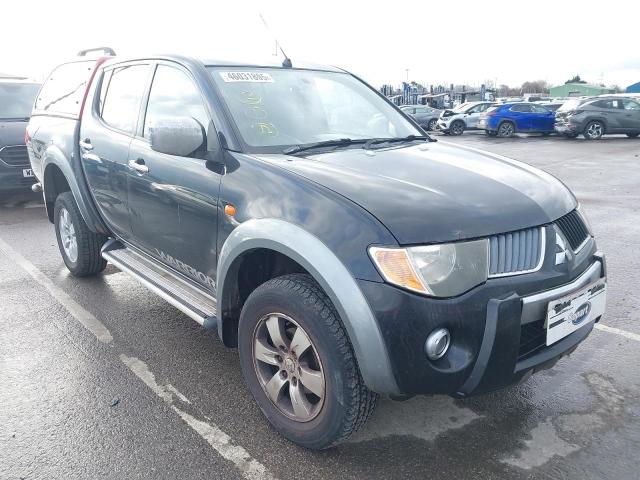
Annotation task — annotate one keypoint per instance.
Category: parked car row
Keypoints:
(591, 117)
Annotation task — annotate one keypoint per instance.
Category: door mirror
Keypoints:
(180, 136)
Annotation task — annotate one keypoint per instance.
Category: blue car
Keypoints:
(506, 119)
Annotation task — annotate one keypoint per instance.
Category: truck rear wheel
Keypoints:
(299, 364)
(79, 246)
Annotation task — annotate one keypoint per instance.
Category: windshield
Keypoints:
(462, 107)
(283, 107)
(16, 99)
(570, 105)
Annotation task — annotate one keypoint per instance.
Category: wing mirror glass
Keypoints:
(180, 136)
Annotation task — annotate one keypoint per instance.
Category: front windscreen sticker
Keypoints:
(255, 77)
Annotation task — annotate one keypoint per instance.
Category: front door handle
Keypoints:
(86, 144)
(138, 165)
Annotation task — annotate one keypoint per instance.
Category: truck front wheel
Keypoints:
(79, 246)
(299, 364)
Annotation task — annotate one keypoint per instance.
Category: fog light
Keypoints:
(437, 343)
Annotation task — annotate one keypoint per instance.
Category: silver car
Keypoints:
(464, 117)
(425, 116)
(594, 117)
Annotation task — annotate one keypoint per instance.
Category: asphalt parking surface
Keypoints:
(99, 378)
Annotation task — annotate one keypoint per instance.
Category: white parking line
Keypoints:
(249, 467)
(617, 331)
(87, 320)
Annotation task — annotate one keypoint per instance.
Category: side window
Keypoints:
(104, 86)
(630, 105)
(121, 104)
(173, 94)
(473, 110)
(521, 108)
(616, 104)
(539, 109)
(64, 88)
(602, 104)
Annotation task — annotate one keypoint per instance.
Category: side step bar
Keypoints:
(186, 297)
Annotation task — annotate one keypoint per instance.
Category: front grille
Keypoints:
(574, 229)
(15, 155)
(516, 252)
(533, 337)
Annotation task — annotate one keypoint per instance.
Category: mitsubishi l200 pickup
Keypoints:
(317, 228)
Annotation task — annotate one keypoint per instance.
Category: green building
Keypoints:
(578, 90)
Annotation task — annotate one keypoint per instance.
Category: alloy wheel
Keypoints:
(68, 235)
(595, 130)
(505, 130)
(288, 367)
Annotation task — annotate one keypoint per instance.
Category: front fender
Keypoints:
(325, 267)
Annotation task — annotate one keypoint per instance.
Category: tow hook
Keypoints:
(36, 187)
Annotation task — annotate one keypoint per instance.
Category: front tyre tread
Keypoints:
(359, 400)
(89, 261)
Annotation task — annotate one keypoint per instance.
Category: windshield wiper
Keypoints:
(338, 142)
(410, 138)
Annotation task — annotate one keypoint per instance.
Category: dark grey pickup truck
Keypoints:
(317, 228)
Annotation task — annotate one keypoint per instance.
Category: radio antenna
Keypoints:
(286, 63)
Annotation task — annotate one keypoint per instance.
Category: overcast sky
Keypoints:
(439, 42)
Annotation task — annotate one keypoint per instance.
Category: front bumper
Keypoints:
(497, 331)
(442, 126)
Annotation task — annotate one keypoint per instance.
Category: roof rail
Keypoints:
(106, 50)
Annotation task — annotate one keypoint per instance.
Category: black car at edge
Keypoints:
(16, 101)
(314, 226)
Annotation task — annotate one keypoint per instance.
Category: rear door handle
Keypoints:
(91, 157)
(138, 165)
(86, 144)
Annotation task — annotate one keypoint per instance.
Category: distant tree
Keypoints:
(616, 88)
(537, 86)
(575, 79)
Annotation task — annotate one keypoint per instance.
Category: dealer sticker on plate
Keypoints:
(27, 173)
(567, 314)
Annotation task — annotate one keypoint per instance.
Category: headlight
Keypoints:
(443, 270)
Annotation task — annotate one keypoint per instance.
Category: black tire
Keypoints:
(457, 128)
(347, 402)
(593, 130)
(546, 134)
(633, 135)
(431, 126)
(88, 260)
(490, 133)
(571, 135)
(506, 130)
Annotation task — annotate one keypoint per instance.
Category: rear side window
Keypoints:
(609, 104)
(521, 108)
(63, 91)
(121, 103)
